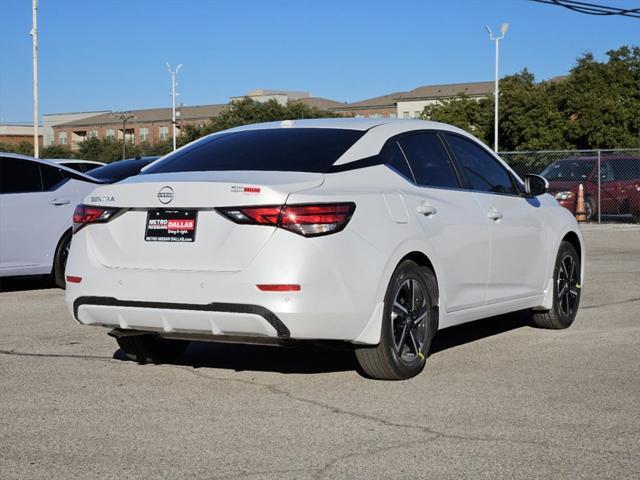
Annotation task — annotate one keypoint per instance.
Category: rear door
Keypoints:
(518, 242)
(36, 207)
(452, 220)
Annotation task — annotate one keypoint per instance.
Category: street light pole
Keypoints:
(173, 99)
(503, 30)
(34, 35)
(124, 117)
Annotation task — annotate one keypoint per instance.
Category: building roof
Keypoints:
(421, 93)
(448, 90)
(196, 112)
(319, 102)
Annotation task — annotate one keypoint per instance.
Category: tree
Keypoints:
(248, 111)
(596, 106)
(472, 115)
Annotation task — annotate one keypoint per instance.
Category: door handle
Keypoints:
(57, 202)
(495, 215)
(427, 210)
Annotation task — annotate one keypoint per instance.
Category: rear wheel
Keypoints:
(589, 209)
(60, 260)
(149, 348)
(409, 324)
(566, 291)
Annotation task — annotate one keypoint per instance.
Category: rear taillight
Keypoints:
(86, 214)
(308, 220)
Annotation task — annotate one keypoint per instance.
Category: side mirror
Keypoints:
(535, 185)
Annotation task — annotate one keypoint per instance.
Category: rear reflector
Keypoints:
(309, 220)
(72, 279)
(277, 287)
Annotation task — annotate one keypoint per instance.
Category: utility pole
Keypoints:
(173, 99)
(503, 30)
(124, 117)
(34, 35)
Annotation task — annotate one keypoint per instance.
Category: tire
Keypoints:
(405, 340)
(565, 306)
(589, 210)
(150, 348)
(60, 260)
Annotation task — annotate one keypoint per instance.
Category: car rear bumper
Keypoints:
(337, 296)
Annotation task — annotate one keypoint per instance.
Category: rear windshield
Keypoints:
(116, 171)
(570, 170)
(277, 149)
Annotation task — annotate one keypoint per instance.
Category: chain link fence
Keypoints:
(610, 180)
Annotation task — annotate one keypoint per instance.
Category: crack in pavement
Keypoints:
(274, 389)
(56, 355)
(629, 300)
(435, 434)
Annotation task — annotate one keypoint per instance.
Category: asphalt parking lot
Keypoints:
(498, 398)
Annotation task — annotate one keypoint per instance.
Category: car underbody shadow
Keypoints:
(311, 358)
(470, 332)
(20, 284)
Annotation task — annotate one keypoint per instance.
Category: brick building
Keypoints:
(411, 104)
(16, 134)
(151, 125)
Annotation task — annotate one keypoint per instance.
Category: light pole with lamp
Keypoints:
(173, 99)
(503, 30)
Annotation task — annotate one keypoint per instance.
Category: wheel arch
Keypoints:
(416, 251)
(68, 231)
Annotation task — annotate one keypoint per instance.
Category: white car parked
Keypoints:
(37, 200)
(372, 232)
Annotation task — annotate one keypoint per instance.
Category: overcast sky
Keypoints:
(111, 54)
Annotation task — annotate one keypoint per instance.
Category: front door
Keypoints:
(518, 244)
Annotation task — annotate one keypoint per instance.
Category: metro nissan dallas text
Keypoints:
(376, 233)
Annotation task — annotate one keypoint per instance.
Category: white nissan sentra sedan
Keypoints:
(372, 232)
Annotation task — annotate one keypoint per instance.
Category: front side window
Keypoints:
(273, 149)
(606, 170)
(481, 170)
(626, 169)
(569, 170)
(19, 176)
(52, 177)
(429, 160)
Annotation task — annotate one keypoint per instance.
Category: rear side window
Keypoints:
(393, 157)
(429, 160)
(19, 176)
(277, 149)
(482, 172)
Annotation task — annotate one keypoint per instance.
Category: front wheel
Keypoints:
(566, 291)
(409, 324)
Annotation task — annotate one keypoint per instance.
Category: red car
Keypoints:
(619, 184)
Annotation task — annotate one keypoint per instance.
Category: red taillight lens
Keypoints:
(86, 214)
(309, 220)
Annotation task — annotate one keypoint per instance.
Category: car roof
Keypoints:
(48, 162)
(347, 123)
(379, 130)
